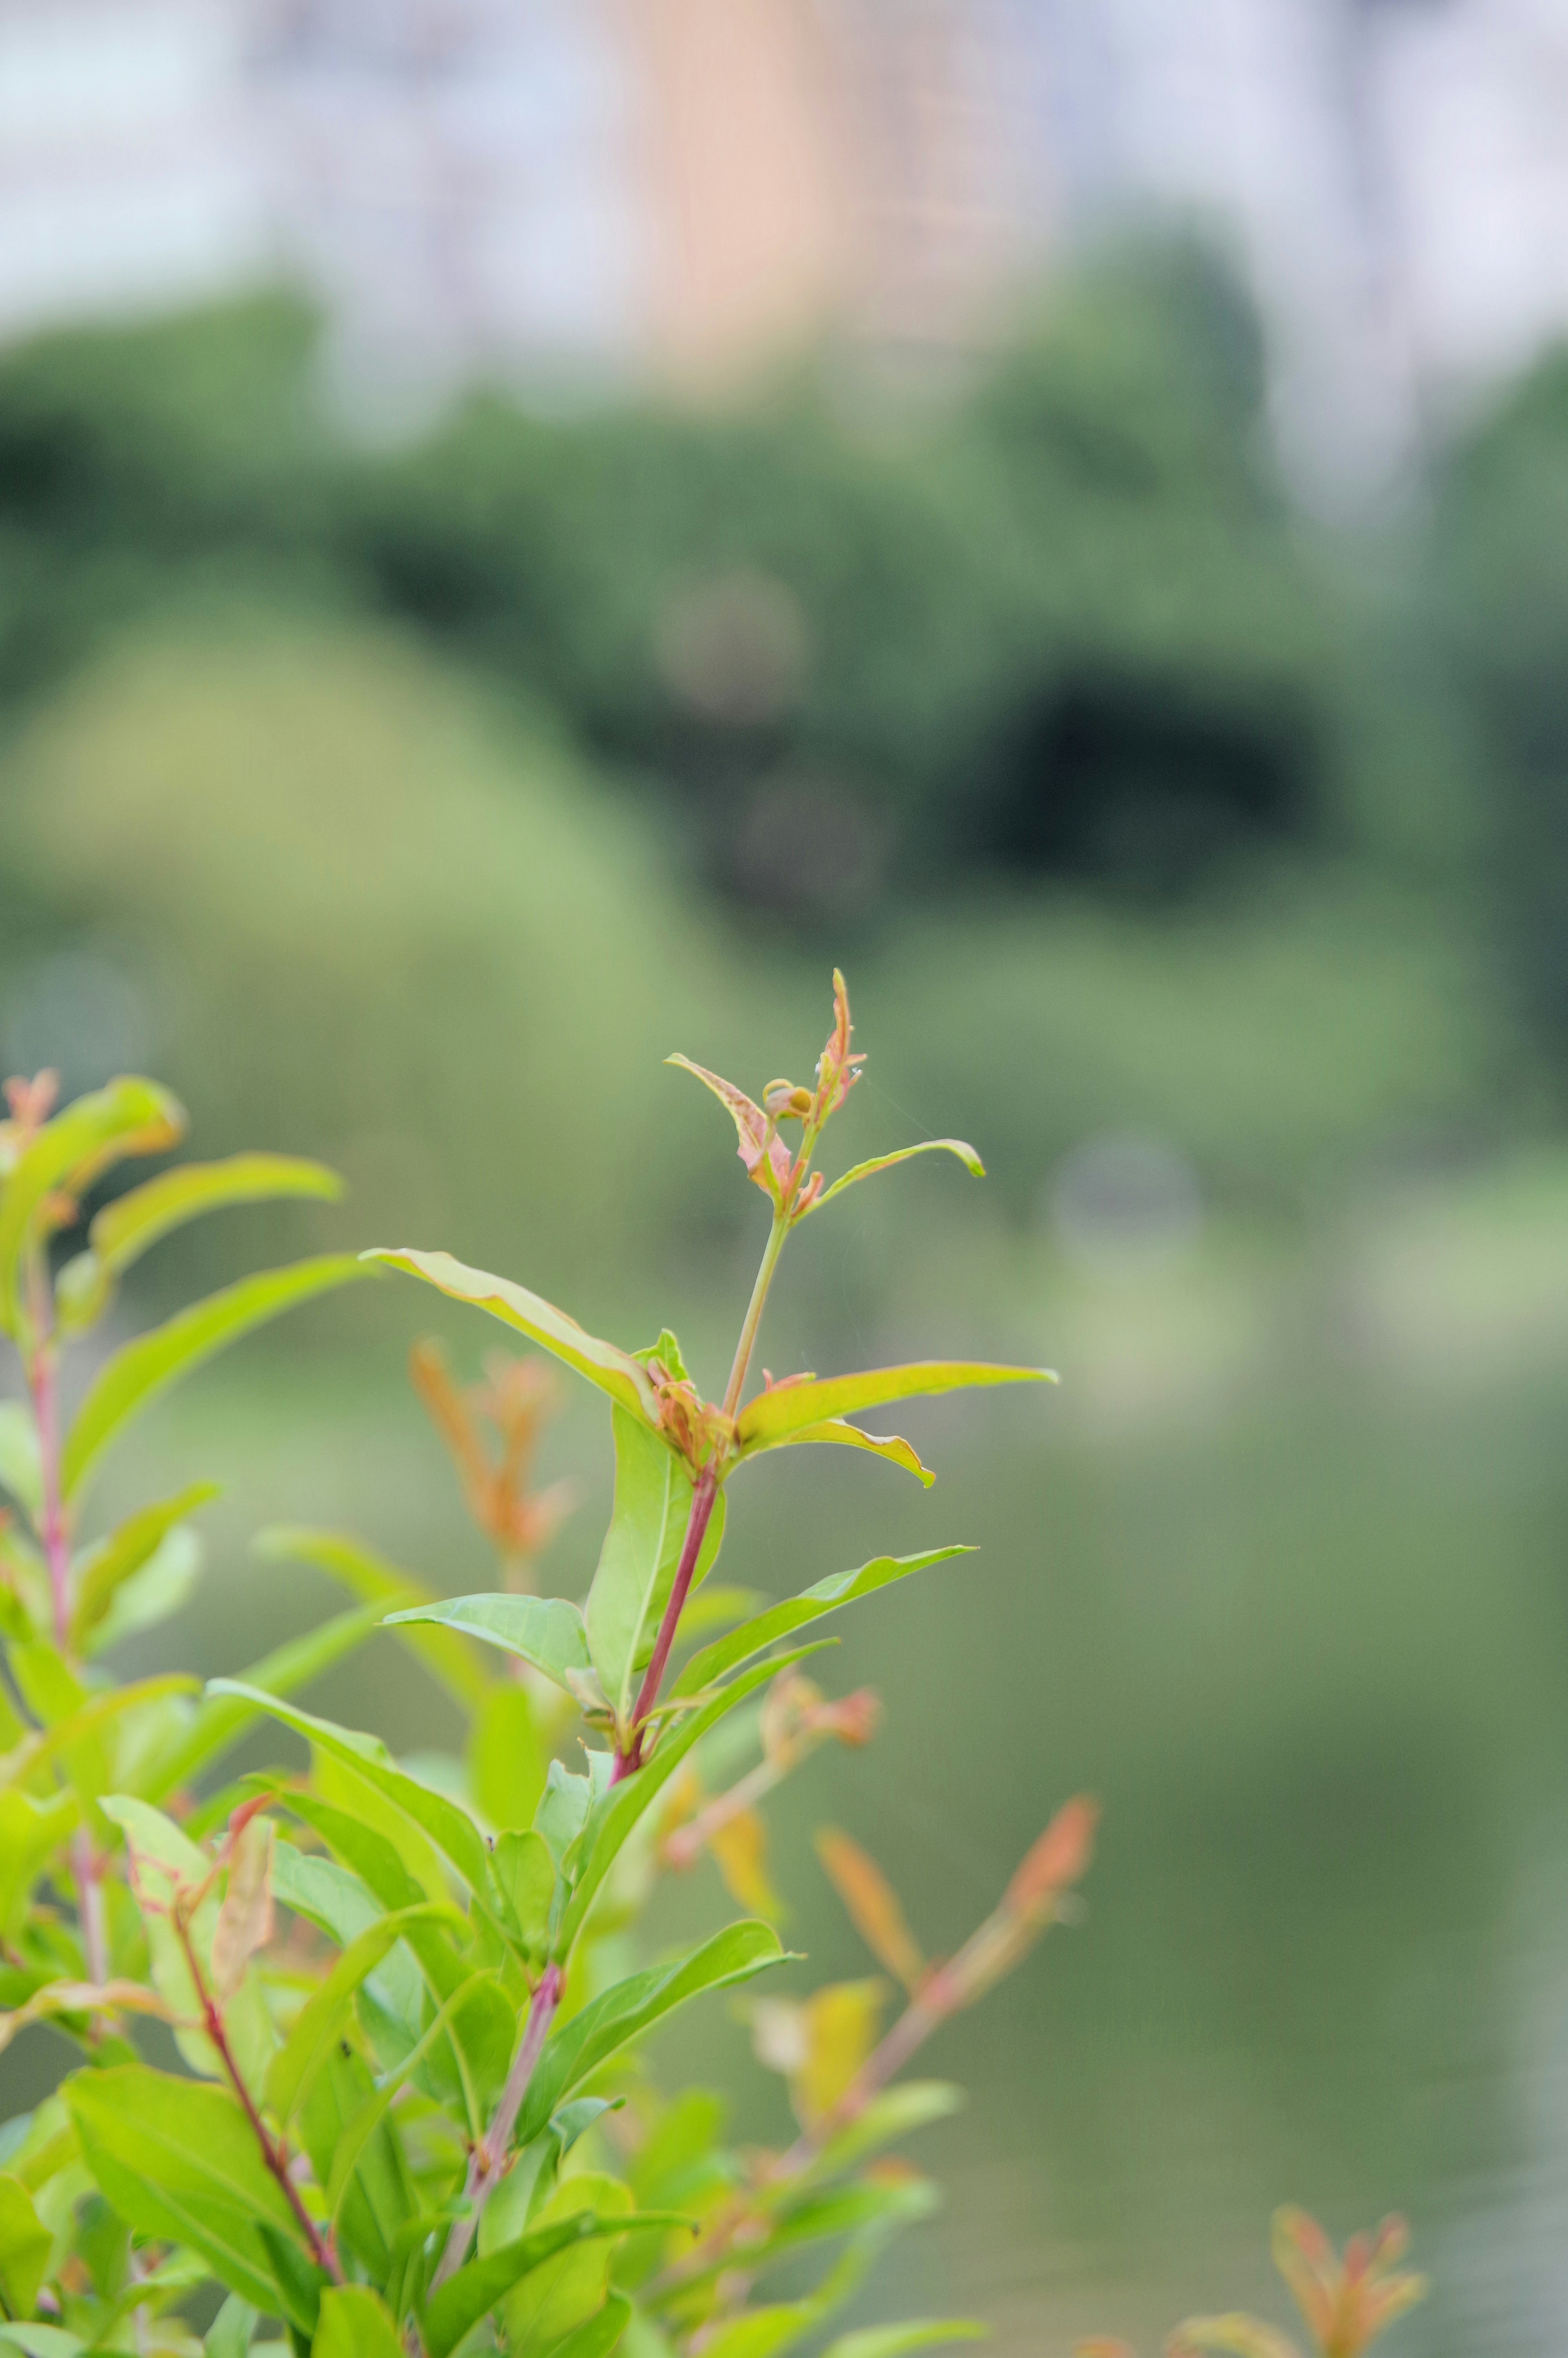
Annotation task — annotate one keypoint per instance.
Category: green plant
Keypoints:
(417, 2118)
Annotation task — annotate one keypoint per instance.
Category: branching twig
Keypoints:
(488, 2160)
(273, 2151)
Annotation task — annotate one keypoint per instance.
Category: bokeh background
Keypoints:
(529, 529)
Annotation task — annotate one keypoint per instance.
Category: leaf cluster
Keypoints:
(408, 1998)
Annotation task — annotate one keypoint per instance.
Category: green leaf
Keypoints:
(370, 1577)
(25, 2244)
(525, 1876)
(41, 2341)
(611, 1820)
(894, 2341)
(141, 1370)
(598, 2335)
(505, 1755)
(126, 1117)
(222, 1719)
(355, 2323)
(319, 2021)
(118, 1558)
(19, 1468)
(125, 1228)
(362, 2127)
(785, 1410)
(629, 2007)
(957, 1146)
(178, 2160)
(637, 1564)
(30, 1831)
(456, 2307)
(613, 1370)
(761, 2333)
(229, 2335)
(896, 2112)
(825, 1596)
(164, 1583)
(450, 1828)
(21, 1764)
(382, 2197)
(543, 1630)
(837, 1429)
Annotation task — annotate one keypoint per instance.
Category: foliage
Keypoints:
(1062, 625)
(413, 2112)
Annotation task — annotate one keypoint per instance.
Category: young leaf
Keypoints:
(789, 1407)
(613, 1370)
(849, 1436)
(141, 1370)
(965, 1152)
(370, 1578)
(355, 2323)
(628, 2008)
(126, 1117)
(825, 1596)
(25, 2244)
(245, 1919)
(637, 1564)
(613, 1819)
(178, 2161)
(450, 1828)
(118, 1558)
(873, 1907)
(751, 1128)
(543, 1630)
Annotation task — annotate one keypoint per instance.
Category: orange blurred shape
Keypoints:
(873, 1906)
(1058, 1859)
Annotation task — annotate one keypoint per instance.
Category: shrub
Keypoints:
(417, 2116)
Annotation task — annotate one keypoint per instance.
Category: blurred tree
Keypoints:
(1500, 589)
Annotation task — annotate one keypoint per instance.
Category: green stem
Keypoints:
(753, 1318)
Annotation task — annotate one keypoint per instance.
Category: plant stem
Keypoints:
(45, 1410)
(753, 1317)
(274, 2152)
(705, 1491)
(90, 1906)
(56, 1536)
(703, 1496)
(488, 2159)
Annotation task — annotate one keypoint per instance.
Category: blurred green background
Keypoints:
(1206, 865)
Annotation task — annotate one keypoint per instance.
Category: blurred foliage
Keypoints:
(1064, 623)
(375, 790)
(1499, 592)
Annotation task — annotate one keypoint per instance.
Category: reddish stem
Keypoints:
(703, 1496)
(52, 1528)
(273, 2151)
(488, 2159)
